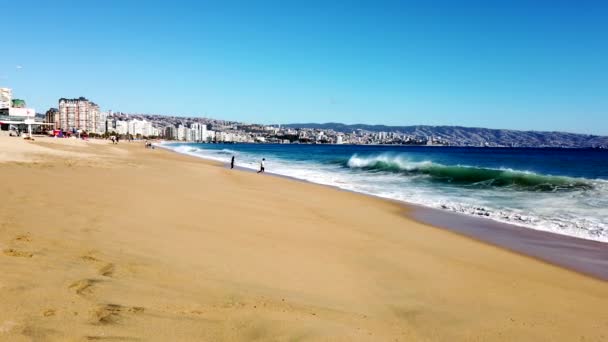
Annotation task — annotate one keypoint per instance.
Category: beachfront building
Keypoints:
(78, 114)
(171, 133)
(18, 118)
(101, 122)
(211, 135)
(121, 127)
(110, 126)
(191, 135)
(137, 128)
(198, 132)
(52, 116)
(6, 97)
(181, 132)
(142, 128)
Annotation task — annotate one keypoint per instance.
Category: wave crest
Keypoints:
(467, 175)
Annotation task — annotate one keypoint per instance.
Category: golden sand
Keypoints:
(116, 242)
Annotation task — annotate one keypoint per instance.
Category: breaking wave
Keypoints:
(467, 175)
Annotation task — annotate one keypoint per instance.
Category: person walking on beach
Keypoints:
(232, 163)
(262, 166)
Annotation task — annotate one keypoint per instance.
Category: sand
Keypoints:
(116, 242)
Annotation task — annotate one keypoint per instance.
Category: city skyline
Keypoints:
(509, 66)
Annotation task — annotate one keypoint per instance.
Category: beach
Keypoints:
(118, 242)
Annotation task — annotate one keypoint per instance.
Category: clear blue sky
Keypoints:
(539, 65)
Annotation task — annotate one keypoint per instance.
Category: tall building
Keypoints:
(141, 128)
(199, 131)
(52, 117)
(101, 122)
(192, 135)
(181, 132)
(6, 97)
(110, 125)
(122, 127)
(80, 114)
(171, 132)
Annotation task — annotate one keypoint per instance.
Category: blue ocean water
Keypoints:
(559, 190)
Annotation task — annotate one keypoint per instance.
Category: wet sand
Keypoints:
(580, 255)
(116, 242)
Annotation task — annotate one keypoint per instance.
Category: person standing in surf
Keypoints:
(232, 163)
(262, 166)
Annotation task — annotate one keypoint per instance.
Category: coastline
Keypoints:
(104, 241)
(523, 207)
(584, 256)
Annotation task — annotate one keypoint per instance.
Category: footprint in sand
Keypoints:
(15, 253)
(113, 313)
(23, 238)
(89, 257)
(107, 270)
(83, 287)
(49, 312)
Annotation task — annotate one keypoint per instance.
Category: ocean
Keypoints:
(563, 191)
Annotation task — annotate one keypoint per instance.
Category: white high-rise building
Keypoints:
(192, 135)
(122, 127)
(170, 132)
(210, 135)
(6, 96)
(195, 132)
(200, 131)
(101, 122)
(181, 132)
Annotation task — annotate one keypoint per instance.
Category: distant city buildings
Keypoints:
(135, 127)
(80, 114)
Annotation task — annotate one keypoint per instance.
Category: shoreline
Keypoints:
(584, 256)
(514, 218)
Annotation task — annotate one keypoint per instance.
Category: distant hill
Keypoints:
(472, 136)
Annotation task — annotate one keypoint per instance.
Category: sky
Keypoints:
(529, 65)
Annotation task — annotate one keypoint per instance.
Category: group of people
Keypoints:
(114, 139)
(261, 164)
(149, 144)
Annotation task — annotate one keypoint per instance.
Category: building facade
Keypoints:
(6, 97)
(79, 114)
(198, 132)
(181, 132)
(52, 116)
(171, 132)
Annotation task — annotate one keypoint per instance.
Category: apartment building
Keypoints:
(79, 114)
